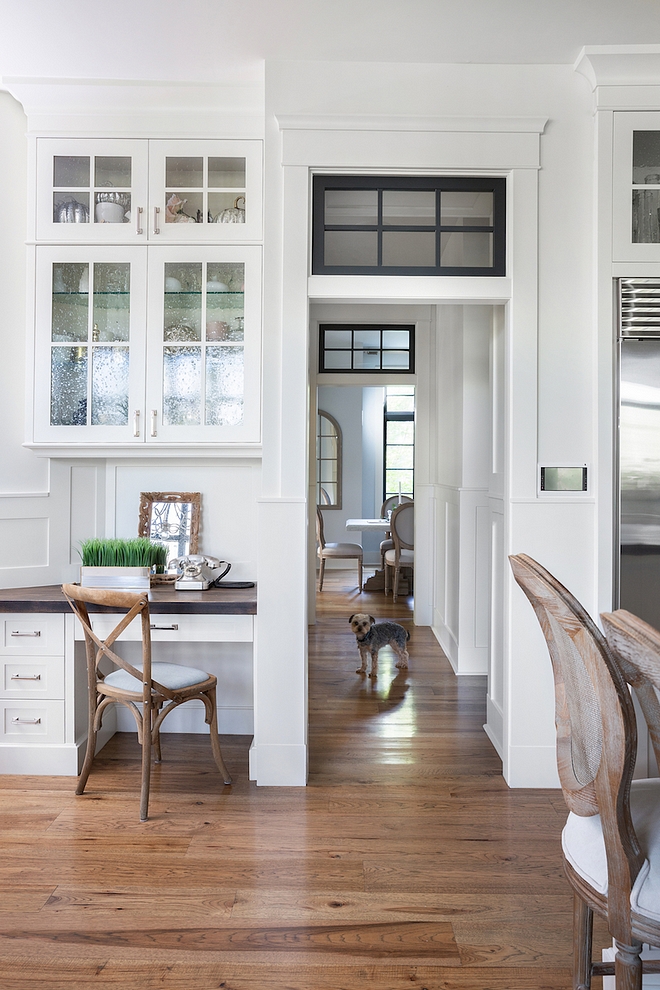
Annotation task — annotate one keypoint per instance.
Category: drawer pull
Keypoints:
(175, 625)
(37, 632)
(27, 721)
(26, 677)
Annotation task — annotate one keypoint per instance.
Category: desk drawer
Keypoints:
(32, 678)
(180, 628)
(24, 722)
(32, 634)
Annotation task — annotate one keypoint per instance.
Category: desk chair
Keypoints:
(149, 690)
(335, 551)
(611, 841)
(390, 503)
(403, 537)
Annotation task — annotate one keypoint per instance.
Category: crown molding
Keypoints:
(622, 77)
(377, 122)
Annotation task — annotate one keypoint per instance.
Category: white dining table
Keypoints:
(368, 525)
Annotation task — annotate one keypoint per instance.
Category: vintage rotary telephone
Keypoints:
(199, 571)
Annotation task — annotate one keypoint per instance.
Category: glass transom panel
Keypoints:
(366, 348)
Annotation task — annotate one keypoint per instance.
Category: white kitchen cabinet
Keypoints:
(145, 346)
(636, 188)
(138, 191)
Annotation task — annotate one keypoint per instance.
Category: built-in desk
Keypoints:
(43, 689)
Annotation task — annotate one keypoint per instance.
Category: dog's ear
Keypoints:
(372, 620)
(352, 617)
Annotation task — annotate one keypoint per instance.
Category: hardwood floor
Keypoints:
(407, 862)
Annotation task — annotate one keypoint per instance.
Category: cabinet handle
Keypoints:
(25, 677)
(27, 721)
(154, 422)
(156, 212)
(175, 625)
(37, 632)
(136, 423)
(138, 226)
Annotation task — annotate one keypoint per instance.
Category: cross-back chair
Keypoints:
(611, 840)
(150, 690)
(335, 551)
(403, 554)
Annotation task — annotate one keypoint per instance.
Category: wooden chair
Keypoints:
(335, 551)
(389, 504)
(403, 537)
(611, 840)
(160, 687)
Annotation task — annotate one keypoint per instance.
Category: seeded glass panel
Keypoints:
(225, 301)
(396, 338)
(70, 312)
(70, 171)
(182, 386)
(227, 173)
(460, 250)
(71, 208)
(111, 306)
(221, 201)
(351, 247)
(466, 209)
(645, 216)
(401, 432)
(185, 172)
(184, 207)
(109, 386)
(351, 207)
(396, 360)
(401, 206)
(112, 171)
(183, 302)
(337, 360)
(409, 249)
(366, 360)
(337, 338)
(366, 339)
(68, 386)
(224, 386)
(646, 157)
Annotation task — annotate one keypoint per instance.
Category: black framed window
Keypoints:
(366, 348)
(408, 225)
(399, 441)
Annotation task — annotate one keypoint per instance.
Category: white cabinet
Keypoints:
(636, 188)
(147, 345)
(119, 191)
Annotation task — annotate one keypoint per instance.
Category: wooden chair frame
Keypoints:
(399, 545)
(156, 700)
(563, 619)
(335, 551)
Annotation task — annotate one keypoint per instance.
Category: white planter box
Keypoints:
(117, 578)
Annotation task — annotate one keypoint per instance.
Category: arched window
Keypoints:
(328, 461)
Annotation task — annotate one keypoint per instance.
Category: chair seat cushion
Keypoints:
(342, 550)
(170, 675)
(584, 848)
(406, 558)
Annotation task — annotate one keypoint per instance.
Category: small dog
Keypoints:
(372, 635)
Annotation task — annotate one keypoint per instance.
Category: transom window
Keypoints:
(366, 348)
(416, 225)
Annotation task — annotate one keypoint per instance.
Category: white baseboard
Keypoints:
(190, 718)
(531, 766)
(64, 760)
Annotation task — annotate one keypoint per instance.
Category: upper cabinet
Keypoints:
(636, 188)
(144, 191)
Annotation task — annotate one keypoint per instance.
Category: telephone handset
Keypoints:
(199, 571)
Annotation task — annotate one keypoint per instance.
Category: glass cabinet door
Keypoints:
(636, 180)
(205, 190)
(90, 345)
(91, 191)
(204, 345)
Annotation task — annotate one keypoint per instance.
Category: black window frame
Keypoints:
(353, 327)
(390, 416)
(415, 183)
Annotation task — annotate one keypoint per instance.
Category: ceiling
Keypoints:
(205, 40)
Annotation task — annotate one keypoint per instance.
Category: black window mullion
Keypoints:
(380, 228)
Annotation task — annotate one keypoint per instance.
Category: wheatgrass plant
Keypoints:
(140, 552)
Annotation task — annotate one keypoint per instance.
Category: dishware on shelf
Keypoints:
(109, 212)
(172, 284)
(217, 330)
(71, 212)
(215, 285)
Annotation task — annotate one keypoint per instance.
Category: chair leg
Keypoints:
(147, 711)
(91, 747)
(396, 583)
(583, 926)
(387, 579)
(628, 966)
(360, 574)
(215, 742)
(158, 758)
(321, 573)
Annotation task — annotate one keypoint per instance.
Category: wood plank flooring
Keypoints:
(406, 863)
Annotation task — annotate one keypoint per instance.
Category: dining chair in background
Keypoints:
(335, 551)
(611, 840)
(403, 553)
(389, 505)
(150, 690)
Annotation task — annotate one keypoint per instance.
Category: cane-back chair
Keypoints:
(403, 537)
(150, 690)
(611, 840)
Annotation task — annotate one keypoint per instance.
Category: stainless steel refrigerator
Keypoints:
(639, 448)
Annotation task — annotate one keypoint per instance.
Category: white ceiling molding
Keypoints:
(361, 122)
(622, 77)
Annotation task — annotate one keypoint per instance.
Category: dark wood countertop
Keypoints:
(162, 599)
